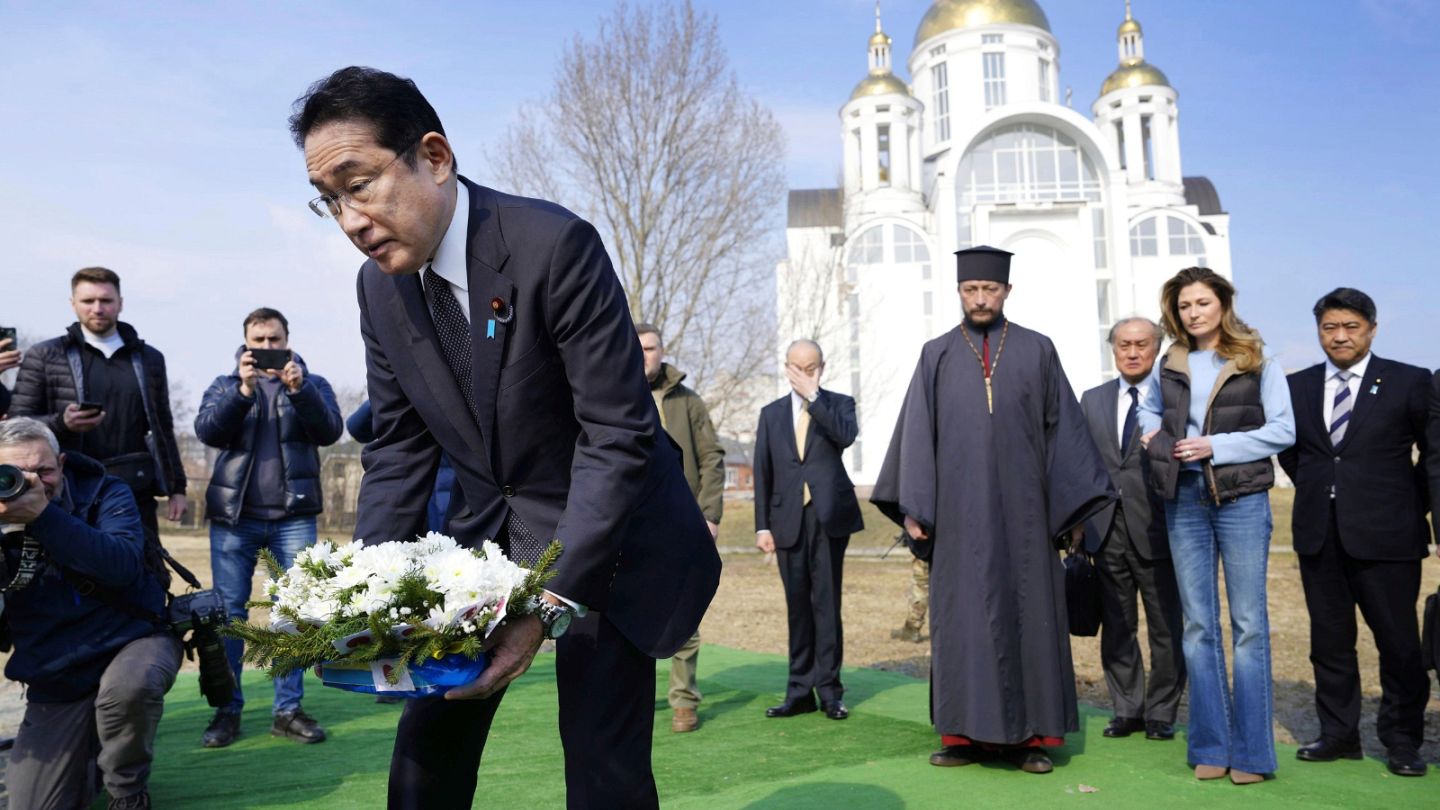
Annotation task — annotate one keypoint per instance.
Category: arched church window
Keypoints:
(909, 247)
(1185, 239)
(1027, 163)
(1143, 241)
(869, 247)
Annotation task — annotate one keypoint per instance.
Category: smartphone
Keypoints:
(270, 358)
(8, 333)
(91, 407)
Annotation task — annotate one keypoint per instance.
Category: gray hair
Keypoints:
(1155, 327)
(23, 430)
(806, 342)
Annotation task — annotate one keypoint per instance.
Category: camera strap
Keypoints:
(32, 562)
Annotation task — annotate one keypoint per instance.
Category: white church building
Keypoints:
(980, 147)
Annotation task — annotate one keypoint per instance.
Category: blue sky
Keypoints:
(153, 141)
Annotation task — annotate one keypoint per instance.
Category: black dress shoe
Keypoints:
(1030, 760)
(1159, 730)
(835, 709)
(1124, 726)
(297, 726)
(955, 756)
(222, 731)
(792, 707)
(1323, 750)
(1404, 760)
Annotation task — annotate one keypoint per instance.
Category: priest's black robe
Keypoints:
(997, 492)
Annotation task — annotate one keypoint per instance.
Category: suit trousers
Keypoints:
(1124, 575)
(607, 720)
(1386, 593)
(811, 572)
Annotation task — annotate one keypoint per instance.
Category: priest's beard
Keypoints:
(985, 321)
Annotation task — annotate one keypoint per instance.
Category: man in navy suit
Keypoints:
(496, 331)
(1359, 528)
(805, 512)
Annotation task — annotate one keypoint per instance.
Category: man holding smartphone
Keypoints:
(9, 358)
(103, 392)
(268, 418)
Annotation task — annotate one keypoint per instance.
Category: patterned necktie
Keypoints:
(802, 430)
(1131, 416)
(453, 329)
(1340, 413)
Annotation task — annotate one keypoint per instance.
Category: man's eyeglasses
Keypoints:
(357, 193)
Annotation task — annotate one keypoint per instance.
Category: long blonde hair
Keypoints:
(1238, 342)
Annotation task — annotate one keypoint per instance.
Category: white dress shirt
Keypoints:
(1122, 405)
(797, 404)
(1332, 385)
(449, 259)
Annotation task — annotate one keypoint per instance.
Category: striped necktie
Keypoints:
(1340, 413)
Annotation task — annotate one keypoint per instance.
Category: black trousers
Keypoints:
(811, 572)
(1124, 575)
(1386, 593)
(607, 719)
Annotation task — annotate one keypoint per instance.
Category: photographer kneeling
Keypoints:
(96, 674)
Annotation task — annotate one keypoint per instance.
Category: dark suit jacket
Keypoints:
(568, 436)
(1432, 459)
(1140, 508)
(780, 475)
(1380, 493)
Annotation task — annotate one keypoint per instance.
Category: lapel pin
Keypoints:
(503, 310)
(490, 330)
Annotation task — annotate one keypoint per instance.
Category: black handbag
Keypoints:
(1082, 594)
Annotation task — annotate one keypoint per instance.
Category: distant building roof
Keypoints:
(816, 208)
(1200, 192)
(737, 451)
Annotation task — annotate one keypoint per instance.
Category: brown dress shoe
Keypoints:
(684, 720)
(954, 756)
(1030, 760)
(1245, 777)
(1209, 771)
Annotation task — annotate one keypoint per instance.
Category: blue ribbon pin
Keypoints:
(490, 330)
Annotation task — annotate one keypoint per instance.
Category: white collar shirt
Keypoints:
(1122, 404)
(449, 261)
(1332, 384)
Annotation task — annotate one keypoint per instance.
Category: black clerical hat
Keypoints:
(982, 263)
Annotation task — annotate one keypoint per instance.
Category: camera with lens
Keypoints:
(201, 614)
(12, 482)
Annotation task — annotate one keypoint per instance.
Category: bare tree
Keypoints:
(647, 134)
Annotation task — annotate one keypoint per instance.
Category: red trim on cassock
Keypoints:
(1033, 742)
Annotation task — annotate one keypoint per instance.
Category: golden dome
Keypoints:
(1143, 74)
(879, 85)
(950, 15)
(1130, 26)
(879, 38)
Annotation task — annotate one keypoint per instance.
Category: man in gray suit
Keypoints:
(1136, 555)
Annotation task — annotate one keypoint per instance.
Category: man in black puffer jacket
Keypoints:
(103, 361)
(269, 420)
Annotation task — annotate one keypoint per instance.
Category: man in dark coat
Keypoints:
(269, 425)
(1135, 559)
(1360, 530)
(496, 331)
(989, 470)
(805, 512)
(103, 361)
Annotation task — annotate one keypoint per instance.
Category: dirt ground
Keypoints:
(749, 613)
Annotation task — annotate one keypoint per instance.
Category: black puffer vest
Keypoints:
(1234, 407)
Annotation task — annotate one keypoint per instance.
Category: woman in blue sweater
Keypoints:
(1219, 412)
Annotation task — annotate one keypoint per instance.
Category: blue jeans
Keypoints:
(1228, 728)
(233, 554)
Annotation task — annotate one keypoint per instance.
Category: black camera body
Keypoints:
(12, 482)
(201, 614)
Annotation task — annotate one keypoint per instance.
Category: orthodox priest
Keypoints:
(991, 470)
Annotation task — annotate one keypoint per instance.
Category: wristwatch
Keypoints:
(554, 619)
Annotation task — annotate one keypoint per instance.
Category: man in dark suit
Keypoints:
(805, 512)
(496, 331)
(1359, 527)
(1135, 558)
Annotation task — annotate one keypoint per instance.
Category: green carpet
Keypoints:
(876, 760)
